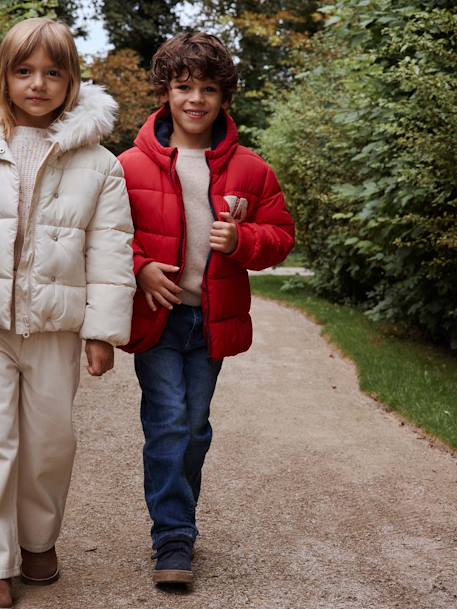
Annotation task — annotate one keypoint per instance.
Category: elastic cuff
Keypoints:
(242, 252)
(138, 265)
(37, 549)
(12, 572)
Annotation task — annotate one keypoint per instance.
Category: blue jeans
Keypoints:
(177, 380)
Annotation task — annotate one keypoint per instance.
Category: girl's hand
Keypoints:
(156, 285)
(100, 357)
(224, 235)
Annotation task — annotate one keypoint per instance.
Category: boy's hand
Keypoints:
(100, 357)
(157, 286)
(224, 235)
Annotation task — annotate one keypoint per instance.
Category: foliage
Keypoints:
(12, 11)
(370, 170)
(67, 11)
(128, 82)
(417, 380)
(139, 25)
(266, 38)
(309, 148)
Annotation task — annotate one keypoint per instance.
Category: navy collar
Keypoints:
(164, 129)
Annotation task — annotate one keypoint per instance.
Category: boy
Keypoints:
(205, 210)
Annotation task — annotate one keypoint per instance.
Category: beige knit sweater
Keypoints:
(193, 173)
(28, 147)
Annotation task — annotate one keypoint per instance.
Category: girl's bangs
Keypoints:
(53, 41)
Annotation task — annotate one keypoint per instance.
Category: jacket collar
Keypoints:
(91, 119)
(153, 139)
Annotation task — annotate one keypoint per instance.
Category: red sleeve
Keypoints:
(130, 163)
(140, 260)
(267, 239)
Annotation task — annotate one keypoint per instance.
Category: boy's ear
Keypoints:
(164, 98)
(226, 105)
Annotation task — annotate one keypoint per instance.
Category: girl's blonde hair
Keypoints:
(20, 42)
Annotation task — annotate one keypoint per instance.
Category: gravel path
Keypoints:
(314, 497)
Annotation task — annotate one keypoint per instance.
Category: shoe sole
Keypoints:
(32, 581)
(172, 577)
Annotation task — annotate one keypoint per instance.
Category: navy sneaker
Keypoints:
(174, 562)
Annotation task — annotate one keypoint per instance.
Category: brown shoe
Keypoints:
(6, 598)
(39, 568)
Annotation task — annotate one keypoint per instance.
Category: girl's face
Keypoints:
(37, 88)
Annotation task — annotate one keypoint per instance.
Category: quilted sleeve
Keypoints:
(109, 266)
(268, 237)
(140, 259)
(130, 165)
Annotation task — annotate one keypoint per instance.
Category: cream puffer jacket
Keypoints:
(75, 272)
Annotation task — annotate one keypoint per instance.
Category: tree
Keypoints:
(13, 11)
(141, 25)
(269, 40)
(128, 82)
(67, 11)
(372, 174)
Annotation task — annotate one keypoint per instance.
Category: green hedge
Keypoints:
(12, 11)
(366, 150)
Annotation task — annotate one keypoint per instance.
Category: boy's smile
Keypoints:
(194, 104)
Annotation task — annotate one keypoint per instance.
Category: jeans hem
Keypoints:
(168, 535)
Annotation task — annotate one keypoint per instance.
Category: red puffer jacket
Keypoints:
(240, 182)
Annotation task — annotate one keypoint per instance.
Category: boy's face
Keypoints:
(195, 104)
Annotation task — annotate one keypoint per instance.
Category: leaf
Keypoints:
(332, 21)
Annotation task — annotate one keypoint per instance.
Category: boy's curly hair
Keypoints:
(201, 55)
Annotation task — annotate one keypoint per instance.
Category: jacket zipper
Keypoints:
(181, 261)
(26, 332)
(26, 318)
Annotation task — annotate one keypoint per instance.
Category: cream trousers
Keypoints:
(39, 376)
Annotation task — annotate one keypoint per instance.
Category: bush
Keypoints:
(13, 11)
(366, 150)
(128, 83)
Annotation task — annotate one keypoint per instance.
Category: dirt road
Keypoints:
(314, 498)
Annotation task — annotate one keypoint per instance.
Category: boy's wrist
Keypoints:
(140, 263)
(237, 241)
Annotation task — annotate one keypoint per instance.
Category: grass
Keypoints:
(414, 378)
(293, 259)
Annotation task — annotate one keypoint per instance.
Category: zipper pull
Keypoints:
(26, 333)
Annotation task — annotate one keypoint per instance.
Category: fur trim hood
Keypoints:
(89, 121)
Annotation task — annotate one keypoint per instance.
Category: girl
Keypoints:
(65, 274)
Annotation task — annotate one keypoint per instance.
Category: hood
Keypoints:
(153, 140)
(90, 120)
